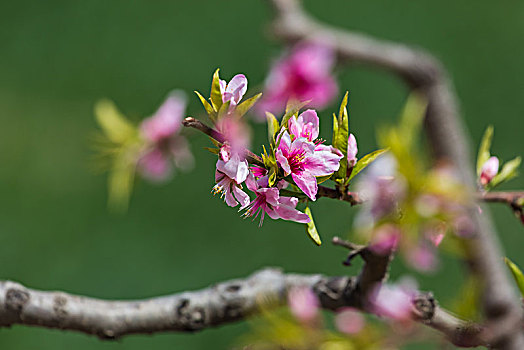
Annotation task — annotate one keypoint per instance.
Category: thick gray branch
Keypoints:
(447, 139)
(193, 311)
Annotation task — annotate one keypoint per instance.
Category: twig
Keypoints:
(194, 311)
(446, 136)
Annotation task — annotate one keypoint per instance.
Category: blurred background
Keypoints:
(58, 57)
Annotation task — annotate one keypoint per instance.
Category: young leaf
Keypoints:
(224, 110)
(508, 172)
(311, 229)
(213, 150)
(365, 161)
(115, 126)
(340, 137)
(216, 95)
(485, 146)
(207, 106)
(245, 106)
(321, 179)
(517, 275)
(272, 126)
(120, 181)
(292, 108)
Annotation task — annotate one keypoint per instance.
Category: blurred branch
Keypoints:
(447, 138)
(193, 311)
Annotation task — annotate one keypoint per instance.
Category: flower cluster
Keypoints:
(296, 156)
(293, 165)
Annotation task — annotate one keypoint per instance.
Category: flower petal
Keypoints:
(307, 183)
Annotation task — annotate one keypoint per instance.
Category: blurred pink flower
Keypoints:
(489, 169)
(304, 75)
(234, 90)
(381, 188)
(393, 301)
(303, 303)
(268, 201)
(385, 239)
(422, 257)
(352, 151)
(349, 321)
(164, 145)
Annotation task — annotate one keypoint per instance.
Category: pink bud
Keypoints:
(303, 303)
(422, 258)
(393, 301)
(385, 239)
(489, 169)
(349, 321)
(352, 150)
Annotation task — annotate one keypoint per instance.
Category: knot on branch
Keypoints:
(191, 318)
(16, 299)
(424, 306)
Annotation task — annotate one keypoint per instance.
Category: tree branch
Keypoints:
(447, 138)
(210, 307)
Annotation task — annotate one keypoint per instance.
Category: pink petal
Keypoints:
(155, 166)
(349, 321)
(286, 210)
(322, 163)
(489, 170)
(352, 150)
(307, 183)
(237, 87)
(303, 303)
(167, 119)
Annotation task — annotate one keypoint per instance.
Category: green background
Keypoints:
(58, 57)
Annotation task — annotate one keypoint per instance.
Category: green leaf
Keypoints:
(321, 179)
(120, 181)
(115, 126)
(224, 110)
(508, 172)
(517, 275)
(412, 117)
(207, 106)
(365, 161)
(245, 106)
(311, 229)
(212, 150)
(272, 127)
(484, 149)
(216, 95)
(340, 137)
(292, 109)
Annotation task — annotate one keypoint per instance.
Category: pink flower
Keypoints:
(303, 303)
(304, 161)
(489, 169)
(231, 158)
(352, 151)
(306, 125)
(234, 90)
(164, 145)
(349, 321)
(385, 239)
(230, 190)
(381, 189)
(422, 257)
(303, 75)
(166, 122)
(393, 301)
(268, 201)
